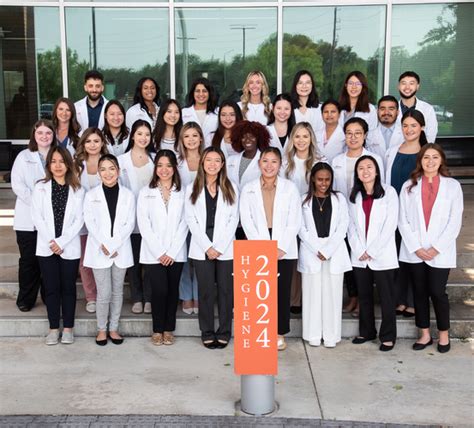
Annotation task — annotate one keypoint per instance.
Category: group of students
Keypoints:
(351, 193)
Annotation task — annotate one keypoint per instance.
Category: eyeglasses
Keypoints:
(356, 134)
(354, 84)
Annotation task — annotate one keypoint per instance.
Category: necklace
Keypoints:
(321, 205)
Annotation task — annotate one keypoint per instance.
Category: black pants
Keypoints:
(164, 282)
(59, 281)
(404, 285)
(29, 274)
(215, 280)
(140, 289)
(385, 283)
(349, 278)
(285, 271)
(430, 282)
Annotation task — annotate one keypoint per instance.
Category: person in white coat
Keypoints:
(354, 100)
(65, 123)
(160, 216)
(229, 115)
(27, 169)
(90, 109)
(323, 257)
(115, 131)
(146, 102)
(255, 100)
(270, 208)
(431, 208)
(90, 148)
(281, 121)
(305, 100)
(136, 170)
(331, 139)
(56, 208)
(408, 86)
(373, 213)
(168, 126)
(202, 108)
(212, 215)
(109, 214)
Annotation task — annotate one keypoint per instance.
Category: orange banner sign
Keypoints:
(255, 307)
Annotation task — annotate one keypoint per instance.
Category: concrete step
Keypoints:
(14, 323)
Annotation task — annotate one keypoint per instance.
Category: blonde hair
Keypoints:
(290, 150)
(265, 98)
(182, 151)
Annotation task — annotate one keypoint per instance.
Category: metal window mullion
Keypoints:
(279, 47)
(388, 48)
(172, 50)
(63, 41)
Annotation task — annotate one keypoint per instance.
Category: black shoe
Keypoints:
(420, 346)
(210, 345)
(102, 342)
(444, 348)
(386, 348)
(296, 310)
(399, 312)
(116, 341)
(24, 308)
(359, 340)
(407, 314)
(221, 344)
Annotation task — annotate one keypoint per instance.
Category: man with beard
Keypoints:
(408, 85)
(388, 132)
(90, 110)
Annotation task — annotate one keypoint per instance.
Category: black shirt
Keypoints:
(93, 113)
(59, 194)
(111, 196)
(283, 140)
(322, 211)
(211, 206)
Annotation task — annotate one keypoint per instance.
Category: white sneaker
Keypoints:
(147, 308)
(314, 342)
(52, 338)
(196, 310)
(137, 308)
(68, 337)
(90, 307)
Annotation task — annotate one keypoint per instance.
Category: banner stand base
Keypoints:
(257, 395)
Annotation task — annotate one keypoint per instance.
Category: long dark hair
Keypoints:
(211, 102)
(363, 99)
(73, 127)
(291, 119)
(131, 142)
(32, 144)
(169, 154)
(420, 118)
(219, 134)
(123, 133)
(71, 178)
(313, 99)
(160, 127)
(81, 154)
(138, 97)
(319, 166)
(379, 191)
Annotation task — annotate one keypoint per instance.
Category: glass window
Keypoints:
(124, 44)
(435, 41)
(30, 63)
(333, 41)
(224, 45)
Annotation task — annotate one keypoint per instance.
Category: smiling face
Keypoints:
(255, 85)
(227, 117)
(201, 95)
(164, 169)
(282, 111)
(57, 167)
(408, 86)
(114, 116)
(387, 112)
(108, 173)
(249, 143)
(304, 86)
(142, 137)
(411, 129)
(94, 89)
(63, 113)
(330, 115)
(302, 139)
(322, 181)
(367, 171)
(355, 136)
(44, 137)
(212, 164)
(269, 165)
(171, 116)
(354, 87)
(431, 162)
(191, 139)
(93, 144)
(148, 90)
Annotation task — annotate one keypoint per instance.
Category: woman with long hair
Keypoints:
(168, 126)
(255, 100)
(373, 213)
(331, 139)
(136, 170)
(354, 100)
(281, 121)
(323, 257)
(115, 131)
(57, 203)
(28, 168)
(431, 207)
(146, 102)
(160, 217)
(201, 108)
(229, 116)
(65, 123)
(212, 214)
(305, 100)
(270, 208)
(109, 213)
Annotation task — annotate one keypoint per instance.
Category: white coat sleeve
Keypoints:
(91, 221)
(179, 237)
(342, 223)
(123, 232)
(197, 231)
(246, 218)
(293, 223)
(18, 180)
(73, 229)
(223, 241)
(355, 242)
(307, 239)
(431, 128)
(409, 235)
(38, 215)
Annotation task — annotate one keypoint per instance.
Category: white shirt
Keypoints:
(136, 112)
(255, 113)
(335, 145)
(209, 125)
(370, 117)
(312, 116)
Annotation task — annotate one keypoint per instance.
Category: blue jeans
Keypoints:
(188, 285)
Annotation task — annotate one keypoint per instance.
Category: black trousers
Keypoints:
(285, 275)
(140, 289)
(349, 278)
(430, 282)
(215, 281)
(385, 283)
(59, 281)
(404, 285)
(29, 274)
(164, 282)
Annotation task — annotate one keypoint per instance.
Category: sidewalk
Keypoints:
(348, 383)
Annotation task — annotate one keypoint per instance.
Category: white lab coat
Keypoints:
(370, 117)
(187, 176)
(43, 219)
(380, 240)
(312, 116)
(444, 226)
(256, 113)
(136, 112)
(286, 215)
(208, 127)
(339, 167)
(333, 247)
(97, 218)
(163, 230)
(227, 149)
(83, 118)
(431, 122)
(335, 145)
(275, 140)
(118, 149)
(251, 173)
(26, 171)
(225, 225)
(298, 176)
(376, 142)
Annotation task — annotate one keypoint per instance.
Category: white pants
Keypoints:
(322, 306)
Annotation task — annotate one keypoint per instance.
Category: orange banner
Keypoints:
(255, 307)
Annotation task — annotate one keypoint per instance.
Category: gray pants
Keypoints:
(109, 283)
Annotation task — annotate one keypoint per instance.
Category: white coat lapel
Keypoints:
(361, 219)
(258, 203)
(437, 207)
(334, 213)
(105, 214)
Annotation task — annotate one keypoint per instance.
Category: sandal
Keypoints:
(157, 339)
(168, 338)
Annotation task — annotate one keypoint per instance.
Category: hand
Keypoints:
(433, 252)
(104, 250)
(321, 257)
(166, 260)
(281, 254)
(212, 254)
(365, 257)
(424, 254)
(114, 255)
(55, 248)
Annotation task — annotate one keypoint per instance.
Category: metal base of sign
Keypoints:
(257, 394)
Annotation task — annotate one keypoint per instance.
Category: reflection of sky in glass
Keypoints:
(46, 28)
